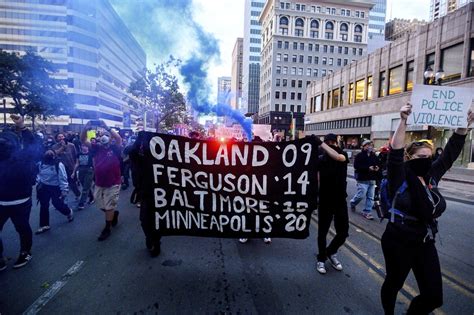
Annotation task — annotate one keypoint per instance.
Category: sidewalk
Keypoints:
(457, 185)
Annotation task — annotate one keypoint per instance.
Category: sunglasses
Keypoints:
(422, 142)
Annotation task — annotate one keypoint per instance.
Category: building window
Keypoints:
(361, 51)
(278, 82)
(284, 21)
(310, 47)
(287, 45)
(292, 108)
(325, 48)
(292, 95)
(369, 88)
(278, 57)
(351, 93)
(301, 59)
(299, 22)
(360, 91)
(300, 71)
(316, 60)
(343, 37)
(298, 32)
(278, 70)
(323, 72)
(285, 70)
(331, 49)
(341, 101)
(277, 107)
(358, 38)
(277, 94)
(325, 60)
(283, 95)
(316, 47)
(348, 12)
(285, 57)
(329, 35)
(358, 29)
(283, 108)
(331, 61)
(299, 96)
(310, 59)
(283, 31)
(300, 83)
(298, 108)
(295, 46)
(410, 72)
(314, 34)
(344, 27)
(301, 46)
(339, 62)
(383, 84)
(295, 58)
(308, 72)
(346, 50)
(346, 61)
(293, 70)
(315, 72)
(339, 49)
(285, 82)
(335, 98)
(314, 24)
(293, 83)
(395, 80)
(451, 62)
(430, 60)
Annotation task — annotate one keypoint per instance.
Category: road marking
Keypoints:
(53, 290)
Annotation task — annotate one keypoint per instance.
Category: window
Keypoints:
(325, 60)
(310, 59)
(346, 50)
(358, 29)
(333, 11)
(301, 59)
(285, 82)
(314, 24)
(308, 72)
(295, 46)
(361, 51)
(310, 47)
(409, 79)
(300, 71)
(451, 62)
(346, 62)
(343, 11)
(298, 108)
(351, 93)
(354, 51)
(343, 37)
(342, 96)
(284, 21)
(344, 27)
(329, 35)
(278, 57)
(331, 49)
(278, 82)
(357, 13)
(316, 47)
(395, 80)
(335, 98)
(278, 70)
(292, 108)
(314, 34)
(360, 91)
(325, 48)
(282, 5)
(287, 45)
(369, 88)
(285, 57)
(277, 107)
(348, 12)
(300, 83)
(285, 70)
(329, 26)
(299, 22)
(298, 32)
(331, 61)
(315, 72)
(292, 95)
(283, 108)
(280, 44)
(383, 84)
(316, 60)
(293, 70)
(283, 95)
(277, 94)
(294, 58)
(283, 31)
(339, 49)
(293, 83)
(358, 38)
(339, 62)
(301, 46)
(323, 72)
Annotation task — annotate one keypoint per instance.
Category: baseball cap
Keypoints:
(366, 142)
(330, 137)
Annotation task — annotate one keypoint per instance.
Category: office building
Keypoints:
(377, 16)
(95, 53)
(223, 90)
(251, 56)
(439, 8)
(363, 99)
(236, 79)
(303, 41)
(397, 28)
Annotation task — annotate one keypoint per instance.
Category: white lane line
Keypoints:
(53, 290)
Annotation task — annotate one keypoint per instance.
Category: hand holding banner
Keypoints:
(440, 106)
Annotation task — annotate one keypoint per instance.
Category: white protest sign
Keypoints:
(440, 106)
(263, 131)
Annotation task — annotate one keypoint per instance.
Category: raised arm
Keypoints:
(398, 140)
(83, 135)
(332, 153)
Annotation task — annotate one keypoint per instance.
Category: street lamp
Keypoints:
(432, 78)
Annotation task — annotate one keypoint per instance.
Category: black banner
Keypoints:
(229, 189)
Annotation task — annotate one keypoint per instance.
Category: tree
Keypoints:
(159, 93)
(28, 81)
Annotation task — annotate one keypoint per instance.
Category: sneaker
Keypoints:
(353, 208)
(104, 234)
(22, 260)
(3, 264)
(367, 215)
(320, 267)
(335, 263)
(43, 229)
(80, 207)
(115, 219)
(243, 240)
(267, 240)
(70, 217)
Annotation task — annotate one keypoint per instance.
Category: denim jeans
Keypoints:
(86, 177)
(20, 216)
(365, 189)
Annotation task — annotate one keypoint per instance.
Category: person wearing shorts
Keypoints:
(106, 154)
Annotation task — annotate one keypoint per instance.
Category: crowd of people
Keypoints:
(95, 166)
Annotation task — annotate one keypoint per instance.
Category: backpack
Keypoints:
(387, 209)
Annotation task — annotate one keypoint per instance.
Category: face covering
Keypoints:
(104, 140)
(419, 166)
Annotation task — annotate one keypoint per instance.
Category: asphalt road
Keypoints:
(72, 273)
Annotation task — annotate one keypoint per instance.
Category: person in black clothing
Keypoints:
(366, 168)
(18, 153)
(438, 153)
(140, 182)
(332, 203)
(408, 242)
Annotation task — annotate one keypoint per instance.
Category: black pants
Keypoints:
(126, 173)
(400, 258)
(326, 213)
(53, 193)
(20, 216)
(147, 220)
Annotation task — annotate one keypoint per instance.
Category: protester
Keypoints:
(408, 242)
(332, 202)
(67, 154)
(365, 165)
(126, 164)
(141, 194)
(85, 170)
(18, 154)
(106, 156)
(52, 185)
(438, 153)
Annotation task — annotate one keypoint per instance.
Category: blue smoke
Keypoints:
(155, 24)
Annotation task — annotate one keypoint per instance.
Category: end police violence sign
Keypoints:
(229, 189)
(440, 106)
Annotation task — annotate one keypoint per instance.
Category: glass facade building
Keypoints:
(251, 59)
(95, 53)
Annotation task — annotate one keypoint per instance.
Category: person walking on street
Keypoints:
(52, 185)
(366, 168)
(84, 168)
(332, 203)
(67, 155)
(18, 155)
(106, 156)
(408, 242)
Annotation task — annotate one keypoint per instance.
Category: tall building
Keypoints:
(236, 80)
(224, 88)
(398, 28)
(302, 41)
(363, 99)
(251, 57)
(377, 18)
(95, 53)
(439, 8)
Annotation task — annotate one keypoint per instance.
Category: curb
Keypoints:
(450, 198)
(458, 181)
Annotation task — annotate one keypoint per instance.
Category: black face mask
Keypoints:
(420, 166)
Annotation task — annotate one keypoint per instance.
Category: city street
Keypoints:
(72, 273)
